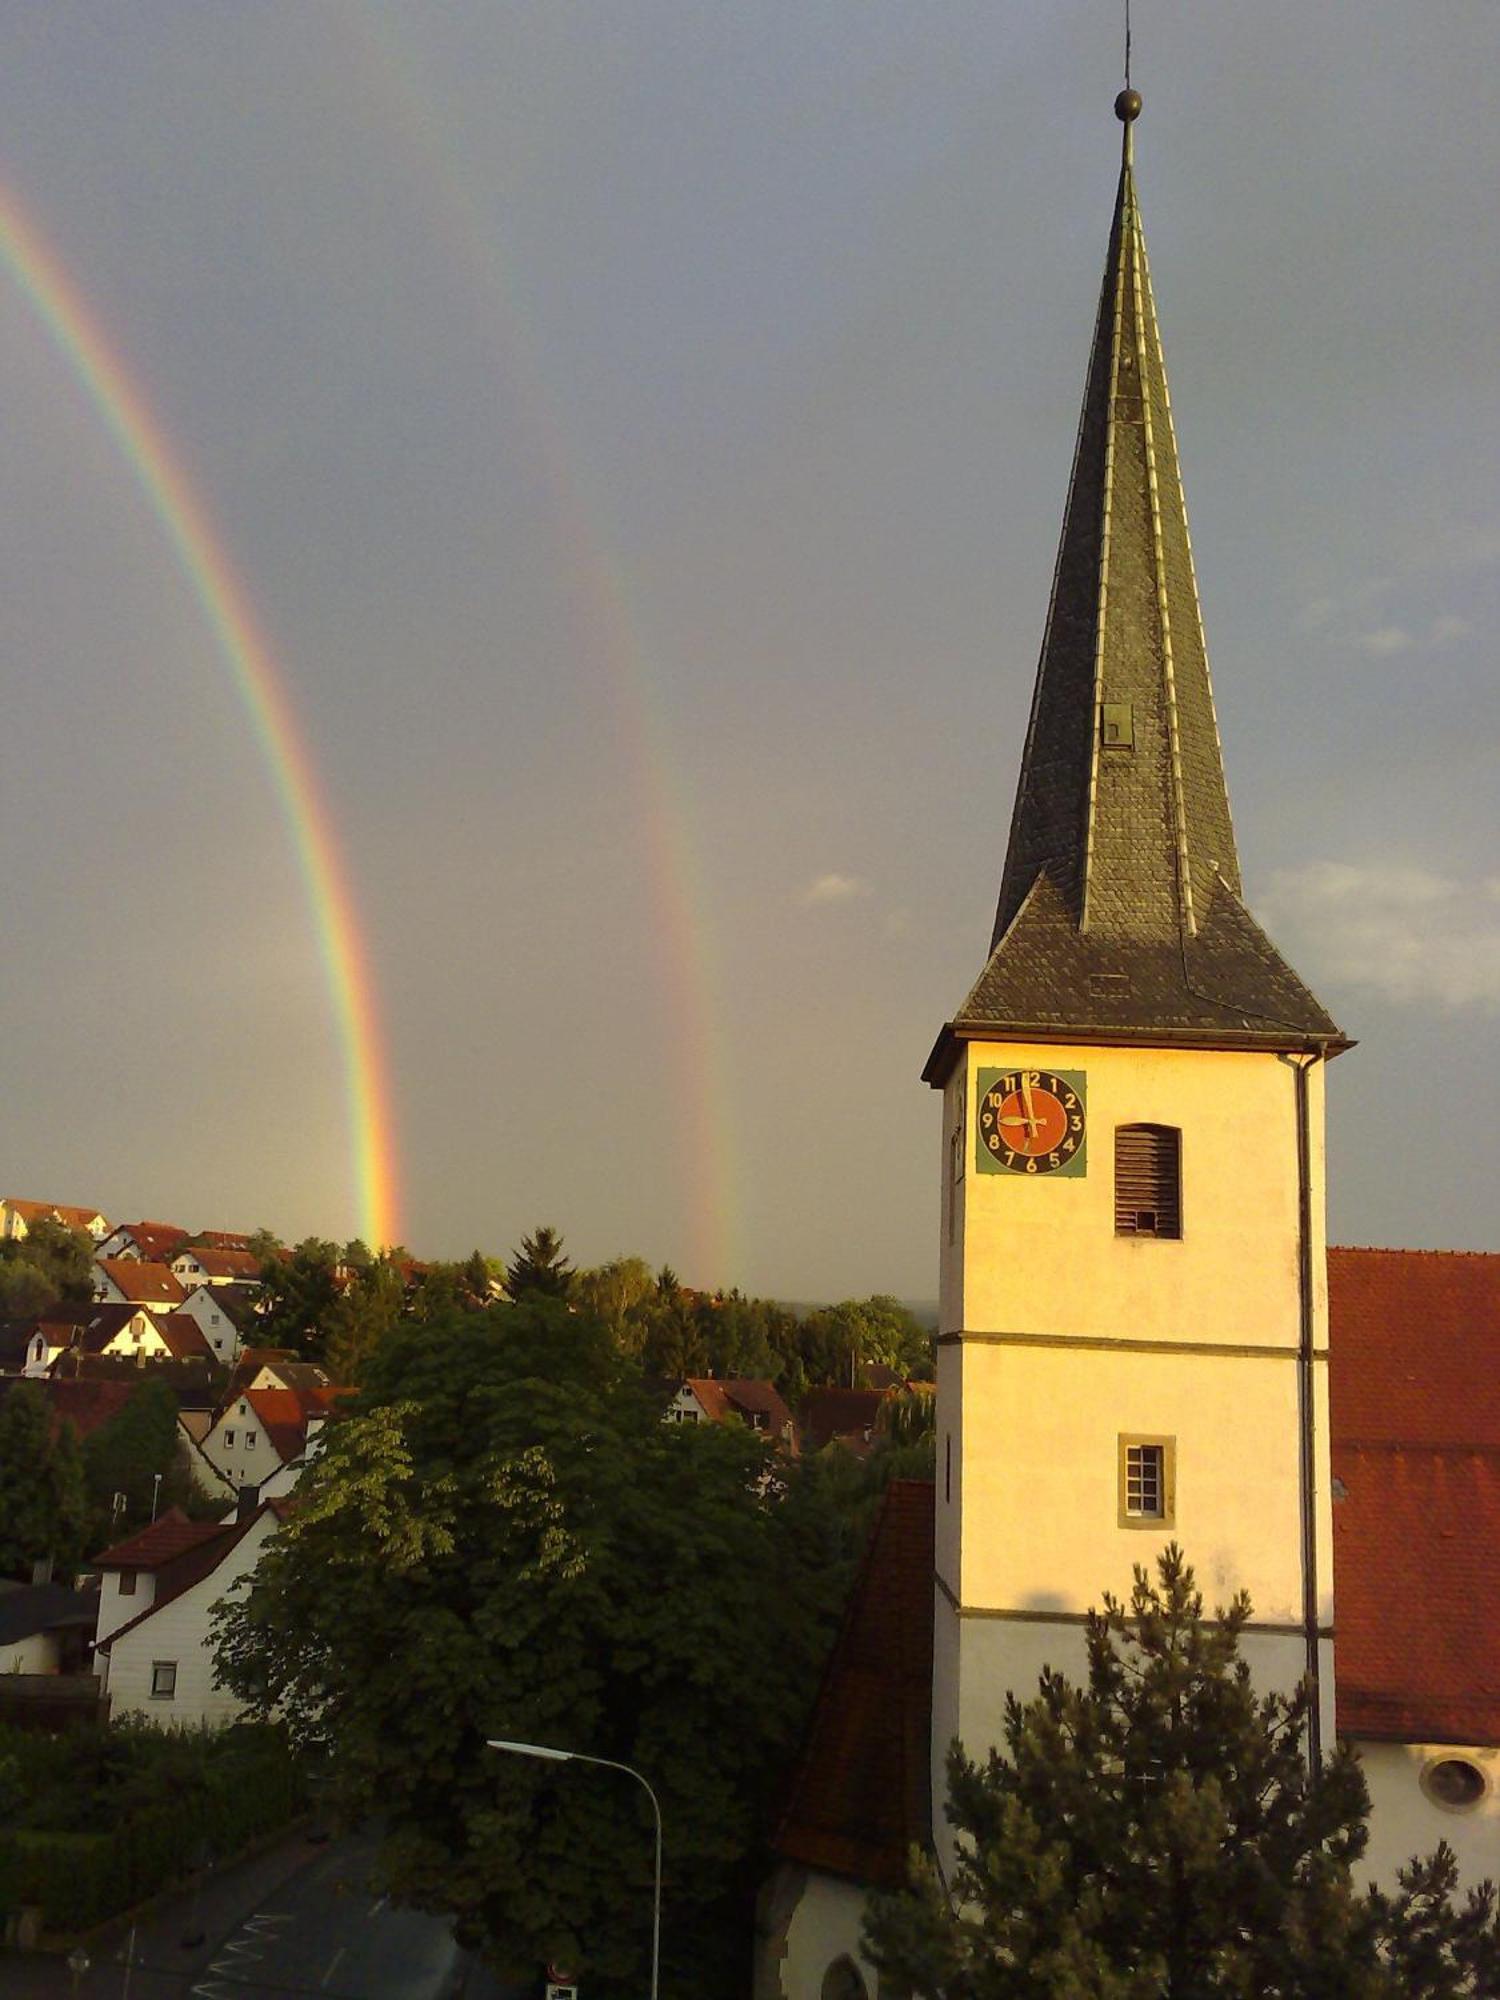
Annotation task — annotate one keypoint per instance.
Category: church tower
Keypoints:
(1133, 1334)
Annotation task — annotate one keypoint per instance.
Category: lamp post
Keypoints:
(78, 1964)
(604, 1764)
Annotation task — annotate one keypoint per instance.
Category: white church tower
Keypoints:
(1133, 1346)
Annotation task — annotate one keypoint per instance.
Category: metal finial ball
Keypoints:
(1128, 106)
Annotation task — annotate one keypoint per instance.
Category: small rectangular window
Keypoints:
(164, 1679)
(1147, 1482)
(1116, 725)
(249, 1440)
(127, 1583)
(1148, 1180)
(229, 1440)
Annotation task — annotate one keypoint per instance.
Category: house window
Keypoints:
(127, 1583)
(1148, 1481)
(249, 1440)
(164, 1679)
(1148, 1180)
(229, 1440)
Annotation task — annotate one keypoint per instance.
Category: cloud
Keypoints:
(1384, 640)
(1408, 933)
(833, 889)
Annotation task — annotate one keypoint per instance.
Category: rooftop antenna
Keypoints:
(1127, 44)
(1128, 103)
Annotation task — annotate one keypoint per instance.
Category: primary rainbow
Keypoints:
(210, 576)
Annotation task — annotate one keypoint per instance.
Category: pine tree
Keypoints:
(1158, 1832)
(539, 1269)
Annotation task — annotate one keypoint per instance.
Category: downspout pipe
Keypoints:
(1307, 1414)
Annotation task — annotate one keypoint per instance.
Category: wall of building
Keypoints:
(1405, 1821)
(180, 1632)
(116, 1608)
(808, 1922)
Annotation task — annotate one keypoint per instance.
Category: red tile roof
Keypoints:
(860, 1796)
(184, 1337)
(157, 1242)
(840, 1413)
(1414, 1347)
(54, 1211)
(215, 1263)
(190, 1567)
(746, 1398)
(162, 1543)
(220, 1239)
(147, 1284)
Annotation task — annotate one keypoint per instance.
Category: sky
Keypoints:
(639, 433)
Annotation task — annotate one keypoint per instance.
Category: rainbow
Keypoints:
(681, 916)
(210, 576)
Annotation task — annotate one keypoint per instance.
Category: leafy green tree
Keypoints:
(362, 1316)
(49, 1263)
(299, 1291)
(42, 1502)
(1158, 1833)
(126, 1454)
(618, 1295)
(539, 1269)
(503, 1540)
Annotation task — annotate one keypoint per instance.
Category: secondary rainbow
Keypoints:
(210, 575)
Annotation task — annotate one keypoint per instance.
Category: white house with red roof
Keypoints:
(133, 1282)
(209, 1264)
(713, 1399)
(17, 1216)
(148, 1242)
(223, 1313)
(158, 1590)
(259, 1432)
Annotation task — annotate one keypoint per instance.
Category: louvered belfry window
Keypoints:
(1148, 1180)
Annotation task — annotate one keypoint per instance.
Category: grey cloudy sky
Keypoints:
(642, 430)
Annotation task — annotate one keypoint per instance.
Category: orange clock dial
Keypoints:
(1031, 1121)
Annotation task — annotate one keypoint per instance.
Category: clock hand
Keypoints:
(1030, 1109)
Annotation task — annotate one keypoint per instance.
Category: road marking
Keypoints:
(377, 1906)
(332, 1963)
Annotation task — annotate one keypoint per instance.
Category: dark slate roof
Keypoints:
(860, 1797)
(1120, 904)
(45, 1607)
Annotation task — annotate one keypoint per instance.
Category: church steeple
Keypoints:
(1120, 900)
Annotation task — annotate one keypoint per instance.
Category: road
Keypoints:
(301, 1919)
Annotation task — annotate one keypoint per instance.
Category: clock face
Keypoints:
(1031, 1121)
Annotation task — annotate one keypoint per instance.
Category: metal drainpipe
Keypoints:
(1307, 1403)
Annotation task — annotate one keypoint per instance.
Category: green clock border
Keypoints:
(985, 1161)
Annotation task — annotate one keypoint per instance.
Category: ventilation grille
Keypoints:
(1148, 1180)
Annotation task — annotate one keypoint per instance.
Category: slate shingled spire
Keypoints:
(1120, 904)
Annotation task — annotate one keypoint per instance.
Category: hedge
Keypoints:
(79, 1879)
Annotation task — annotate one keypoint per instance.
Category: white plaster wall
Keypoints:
(239, 1463)
(1404, 1822)
(35, 1654)
(217, 1328)
(180, 1632)
(115, 1607)
(825, 1926)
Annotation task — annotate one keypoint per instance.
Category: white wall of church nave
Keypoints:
(1028, 1503)
(1039, 1254)
(1405, 1821)
(825, 1927)
(991, 1657)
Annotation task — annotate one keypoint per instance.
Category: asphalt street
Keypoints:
(299, 1919)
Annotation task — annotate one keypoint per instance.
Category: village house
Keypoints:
(147, 1242)
(158, 1588)
(224, 1313)
(132, 1281)
(255, 1433)
(47, 1628)
(710, 1399)
(206, 1264)
(17, 1216)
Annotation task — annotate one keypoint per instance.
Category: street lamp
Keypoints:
(605, 1764)
(78, 1964)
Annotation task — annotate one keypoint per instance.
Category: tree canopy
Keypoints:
(43, 1505)
(504, 1540)
(49, 1263)
(1158, 1832)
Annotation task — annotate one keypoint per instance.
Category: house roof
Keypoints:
(143, 1282)
(106, 1322)
(184, 1337)
(860, 1795)
(845, 1413)
(163, 1542)
(219, 1239)
(1414, 1392)
(57, 1211)
(16, 1336)
(242, 1265)
(1415, 1346)
(158, 1242)
(45, 1607)
(741, 1396)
